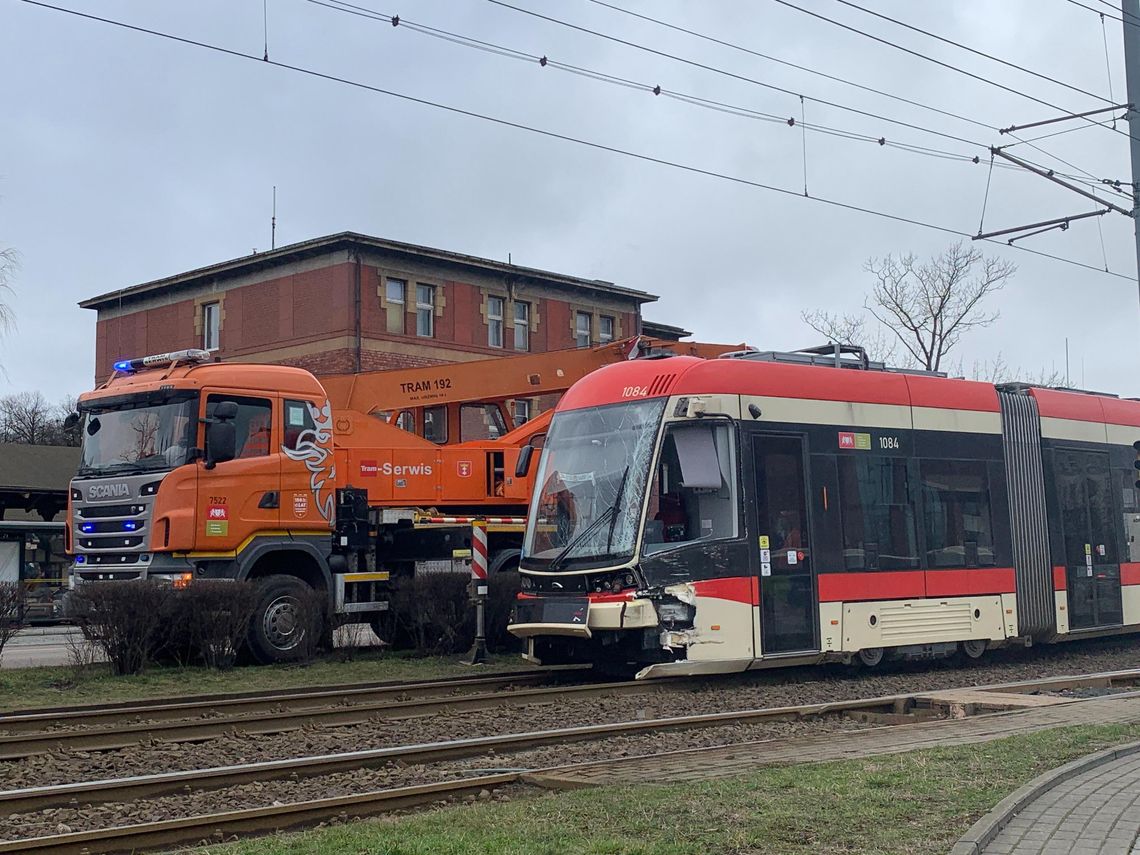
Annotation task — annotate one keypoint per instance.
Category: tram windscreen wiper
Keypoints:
(604, 517)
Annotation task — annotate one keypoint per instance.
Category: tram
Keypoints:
(697, 516)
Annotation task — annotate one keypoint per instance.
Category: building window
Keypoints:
(522, 326)
(522, 411)
(956, 505)
(878, 517)
(425, 310)
(495, 321)
(394, 291)
(582, 326)
(211, 325)
(605, 329)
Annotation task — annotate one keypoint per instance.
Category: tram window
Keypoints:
(693, 493)
(956, 508)
(878, 517)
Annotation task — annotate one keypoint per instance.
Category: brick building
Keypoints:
(349, 302)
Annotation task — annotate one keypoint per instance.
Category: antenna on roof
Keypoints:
(273, 222)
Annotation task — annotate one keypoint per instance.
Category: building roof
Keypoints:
(656, 330)
(37, 468)
(353, 240)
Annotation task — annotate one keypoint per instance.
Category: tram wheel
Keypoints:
(871, 657)
(974, 648)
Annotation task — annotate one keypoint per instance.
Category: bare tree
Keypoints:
(929, 305)
(9, 260)
(27, 418)
(999, 371)
(879, 344)
(11, 606)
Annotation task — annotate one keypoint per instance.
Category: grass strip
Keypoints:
(901, 804)
(23, 688)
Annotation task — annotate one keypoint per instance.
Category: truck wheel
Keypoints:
(505, 561)
(277, 629)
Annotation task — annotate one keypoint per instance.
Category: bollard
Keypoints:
(478, 654)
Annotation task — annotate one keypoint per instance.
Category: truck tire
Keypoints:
(505, 561)
(276, 630)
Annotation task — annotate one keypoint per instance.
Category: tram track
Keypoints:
(238, 703)
(281, 716)
(880, 711)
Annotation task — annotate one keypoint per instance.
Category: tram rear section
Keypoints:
(709, 516)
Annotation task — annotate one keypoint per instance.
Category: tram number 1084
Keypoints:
(889, 442)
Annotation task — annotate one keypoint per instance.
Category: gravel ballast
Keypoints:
(785, 687)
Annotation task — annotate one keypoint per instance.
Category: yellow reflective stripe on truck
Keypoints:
(380, 576)
(245, 543)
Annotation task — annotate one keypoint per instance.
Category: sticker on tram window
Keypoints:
(765, 555)
(855, 441)
(793, 558)
(763, 541)
(765, 568)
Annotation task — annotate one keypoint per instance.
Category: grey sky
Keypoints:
(124, 158)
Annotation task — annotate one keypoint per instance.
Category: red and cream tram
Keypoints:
(707, 516)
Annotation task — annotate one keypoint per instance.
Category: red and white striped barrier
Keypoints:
(473, 520)
(479, 550)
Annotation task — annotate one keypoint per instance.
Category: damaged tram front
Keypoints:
(635, 522)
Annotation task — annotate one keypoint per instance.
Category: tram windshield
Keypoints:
(593, 476)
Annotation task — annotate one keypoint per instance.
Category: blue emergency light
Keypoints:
(126, 366)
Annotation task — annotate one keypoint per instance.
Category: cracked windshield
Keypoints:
(593, 476)
(138, 439)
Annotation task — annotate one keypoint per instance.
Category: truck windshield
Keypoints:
(137, 435)
(594, 470)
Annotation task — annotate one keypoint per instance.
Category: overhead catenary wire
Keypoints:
(977, 52)
(506, 123)
(754, 81)
(831, 77)
(927, 58)
(543, 61)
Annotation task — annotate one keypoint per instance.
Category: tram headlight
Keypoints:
(526, 583)
(675, 612)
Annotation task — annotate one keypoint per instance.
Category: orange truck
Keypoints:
(194, 469)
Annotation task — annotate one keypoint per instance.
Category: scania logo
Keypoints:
(108, 491)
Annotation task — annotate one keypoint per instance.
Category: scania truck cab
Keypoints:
(206, 470)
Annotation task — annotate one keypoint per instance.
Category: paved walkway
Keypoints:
(1097, 811)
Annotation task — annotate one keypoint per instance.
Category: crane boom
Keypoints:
(495, 379)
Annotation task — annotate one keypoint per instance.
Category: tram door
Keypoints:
(1092, 567)
(788, 611)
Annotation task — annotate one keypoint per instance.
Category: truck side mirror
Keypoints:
(221, 443)
(221, 434)
(523, 464)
